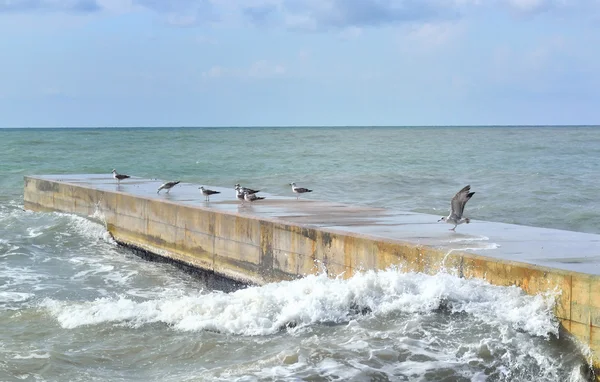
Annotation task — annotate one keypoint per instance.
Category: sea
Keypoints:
(76, 306)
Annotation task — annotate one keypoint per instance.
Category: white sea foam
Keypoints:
(34, 231)
(89, 229)
(14, 296)
(470, 239)
(21, 276)
(32, 356)
(317, 299)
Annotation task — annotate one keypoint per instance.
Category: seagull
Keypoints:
(167, 186)
(252, 197)
(246, 189)
(239, 194)
(119, 177)
(207, 193)
(299, 190)
(458, 206)
(239, 191)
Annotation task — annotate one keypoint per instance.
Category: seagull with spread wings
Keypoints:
(457, 208)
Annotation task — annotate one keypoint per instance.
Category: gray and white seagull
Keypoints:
(207, 193)
(240, 191)
(252, 197)
(457, 208)
(119, 177)
(299, 190)
(245, 189)
(167, 186)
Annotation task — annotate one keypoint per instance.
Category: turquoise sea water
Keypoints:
(75, 306)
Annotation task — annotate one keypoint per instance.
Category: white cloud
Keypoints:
(264, 69)
(534, 68)
(215, 72)
(427, 38)
(182, 20)
(528, 6)
(351, 33)
(304, 55)
(258, 70)
(118, 6)
(435, 34)
(206, 40)
(77, 6)
(348, 16)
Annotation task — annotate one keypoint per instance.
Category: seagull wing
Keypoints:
(459, 200)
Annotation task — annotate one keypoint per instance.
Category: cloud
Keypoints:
(215, 72)
(531, 7)
(430, 35)
(206, 40)
(537, 67)
(78, 6)
(309, 14)
(183, 13)
(258, 70)
(118, 6)
(351, 33)
(343, 14)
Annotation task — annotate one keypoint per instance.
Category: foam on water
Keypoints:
(89, 229)
(32, 356)
(317, 299)
(14, 296)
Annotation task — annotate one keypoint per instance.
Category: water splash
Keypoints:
(317, 299)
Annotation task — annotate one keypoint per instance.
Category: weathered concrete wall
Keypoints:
(258, 251)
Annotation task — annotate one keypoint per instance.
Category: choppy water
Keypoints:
(75, 306)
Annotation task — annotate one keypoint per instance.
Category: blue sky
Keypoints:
(298, 62)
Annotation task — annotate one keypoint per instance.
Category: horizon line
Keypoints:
(287, 126)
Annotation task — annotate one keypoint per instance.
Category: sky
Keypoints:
(96, 63)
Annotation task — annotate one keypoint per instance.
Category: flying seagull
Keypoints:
(252, 197)
(167, 186)
(298, 190)
(458, 206)
(207, 193)
(119, 177)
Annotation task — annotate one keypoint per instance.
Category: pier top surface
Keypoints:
(566, 250)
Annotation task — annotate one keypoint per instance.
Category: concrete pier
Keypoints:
(280, 238)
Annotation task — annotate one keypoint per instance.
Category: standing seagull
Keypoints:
(246, 189)
(119, 177)
(207, 193)
(252, 197)
(299, 190)
(167, 186)
(458, 206)
(239, 193)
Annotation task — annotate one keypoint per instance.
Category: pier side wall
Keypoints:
(258, 250)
